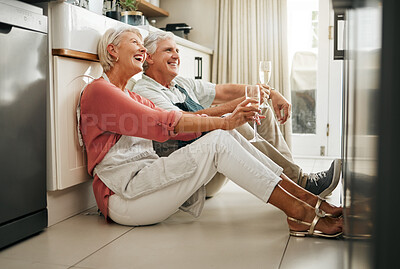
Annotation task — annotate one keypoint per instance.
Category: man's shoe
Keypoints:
(323, 183)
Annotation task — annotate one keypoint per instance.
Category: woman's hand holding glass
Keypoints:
(244, 112)
(253, 93)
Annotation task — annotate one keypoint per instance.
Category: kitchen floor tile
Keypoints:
(322, 164)
(304, 162)
(18, 264)
(236, 230)
(314, 253)
(67, 242)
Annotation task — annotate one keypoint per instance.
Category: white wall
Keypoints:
(199, 14)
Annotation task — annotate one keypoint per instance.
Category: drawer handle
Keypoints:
(5, 28)
(199, 66)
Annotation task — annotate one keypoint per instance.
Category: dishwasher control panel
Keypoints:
(16, 13)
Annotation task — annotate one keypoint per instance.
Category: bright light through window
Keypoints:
(303, 48)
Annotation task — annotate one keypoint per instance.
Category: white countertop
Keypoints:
(75, 28)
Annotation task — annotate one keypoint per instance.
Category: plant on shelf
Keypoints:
(129, 5)
(131, 16)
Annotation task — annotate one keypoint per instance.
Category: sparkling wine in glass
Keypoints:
(253, 92)
(264, 70)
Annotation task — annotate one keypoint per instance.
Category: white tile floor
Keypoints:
(236, 230)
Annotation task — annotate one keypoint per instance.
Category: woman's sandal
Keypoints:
(312, 232)
(321, 212)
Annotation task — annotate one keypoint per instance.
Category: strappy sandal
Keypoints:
(312, 232)
(322, 212)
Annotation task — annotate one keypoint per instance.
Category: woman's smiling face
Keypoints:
(130, 52)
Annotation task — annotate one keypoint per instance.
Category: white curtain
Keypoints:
(249, 31)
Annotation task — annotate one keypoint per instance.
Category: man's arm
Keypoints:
(228, 92)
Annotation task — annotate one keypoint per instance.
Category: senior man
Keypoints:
(162, 85)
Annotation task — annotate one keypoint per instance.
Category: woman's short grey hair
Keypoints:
(112, 36)
(151, 42)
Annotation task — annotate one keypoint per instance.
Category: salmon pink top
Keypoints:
(107, 113)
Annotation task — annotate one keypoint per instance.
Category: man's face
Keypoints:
(166, 59)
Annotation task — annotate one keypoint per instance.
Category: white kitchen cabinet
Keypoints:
(68, 158)
(194, 63)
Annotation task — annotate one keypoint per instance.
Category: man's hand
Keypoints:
(279, 103)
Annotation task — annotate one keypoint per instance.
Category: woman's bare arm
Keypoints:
(194, 123)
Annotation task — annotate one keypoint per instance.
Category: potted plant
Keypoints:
(131, 15)
(113, 9)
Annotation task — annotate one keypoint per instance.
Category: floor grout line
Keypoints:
(101, 248)
(284, 252)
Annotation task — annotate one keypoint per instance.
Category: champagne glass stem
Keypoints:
(255, 129)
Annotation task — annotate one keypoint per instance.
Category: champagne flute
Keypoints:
(264, 70)
(253, 92)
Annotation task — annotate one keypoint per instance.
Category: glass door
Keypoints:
(313, 76)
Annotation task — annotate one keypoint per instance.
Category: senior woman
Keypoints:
(133, 186)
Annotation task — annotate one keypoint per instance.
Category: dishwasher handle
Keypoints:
(5, 28)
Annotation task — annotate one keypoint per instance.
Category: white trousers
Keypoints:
(272, 144)
(226, 152)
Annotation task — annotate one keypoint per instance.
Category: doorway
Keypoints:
(315, 79)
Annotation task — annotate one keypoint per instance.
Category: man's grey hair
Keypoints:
(112, 36)
(151, 42)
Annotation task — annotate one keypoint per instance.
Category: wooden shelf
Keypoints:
(150, 10)
(75, 54)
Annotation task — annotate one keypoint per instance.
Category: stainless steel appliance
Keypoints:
(371, 131)
(179, 29)
(23, 88)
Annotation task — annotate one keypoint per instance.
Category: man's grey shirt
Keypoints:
(200, 91)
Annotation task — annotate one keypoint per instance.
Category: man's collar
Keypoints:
(171, 84)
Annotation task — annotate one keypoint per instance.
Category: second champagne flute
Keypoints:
(253, 92)
(264, 70)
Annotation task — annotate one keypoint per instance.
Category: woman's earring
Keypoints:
(117, 59)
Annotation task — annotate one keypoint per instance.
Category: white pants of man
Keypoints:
(219, 151)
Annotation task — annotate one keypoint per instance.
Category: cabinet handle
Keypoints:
(199, 65)
(5, 28)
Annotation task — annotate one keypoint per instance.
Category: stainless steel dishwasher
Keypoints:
(23, 88)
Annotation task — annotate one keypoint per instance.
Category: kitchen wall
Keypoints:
(201, 15)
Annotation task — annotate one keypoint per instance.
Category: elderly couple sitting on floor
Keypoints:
(162, 145)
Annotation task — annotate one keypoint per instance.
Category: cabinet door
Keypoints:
(194, 64)
(70, 76)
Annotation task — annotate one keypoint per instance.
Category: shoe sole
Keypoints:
(315, 234)
(337, 169)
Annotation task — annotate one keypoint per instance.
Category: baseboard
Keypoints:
(66, 203)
